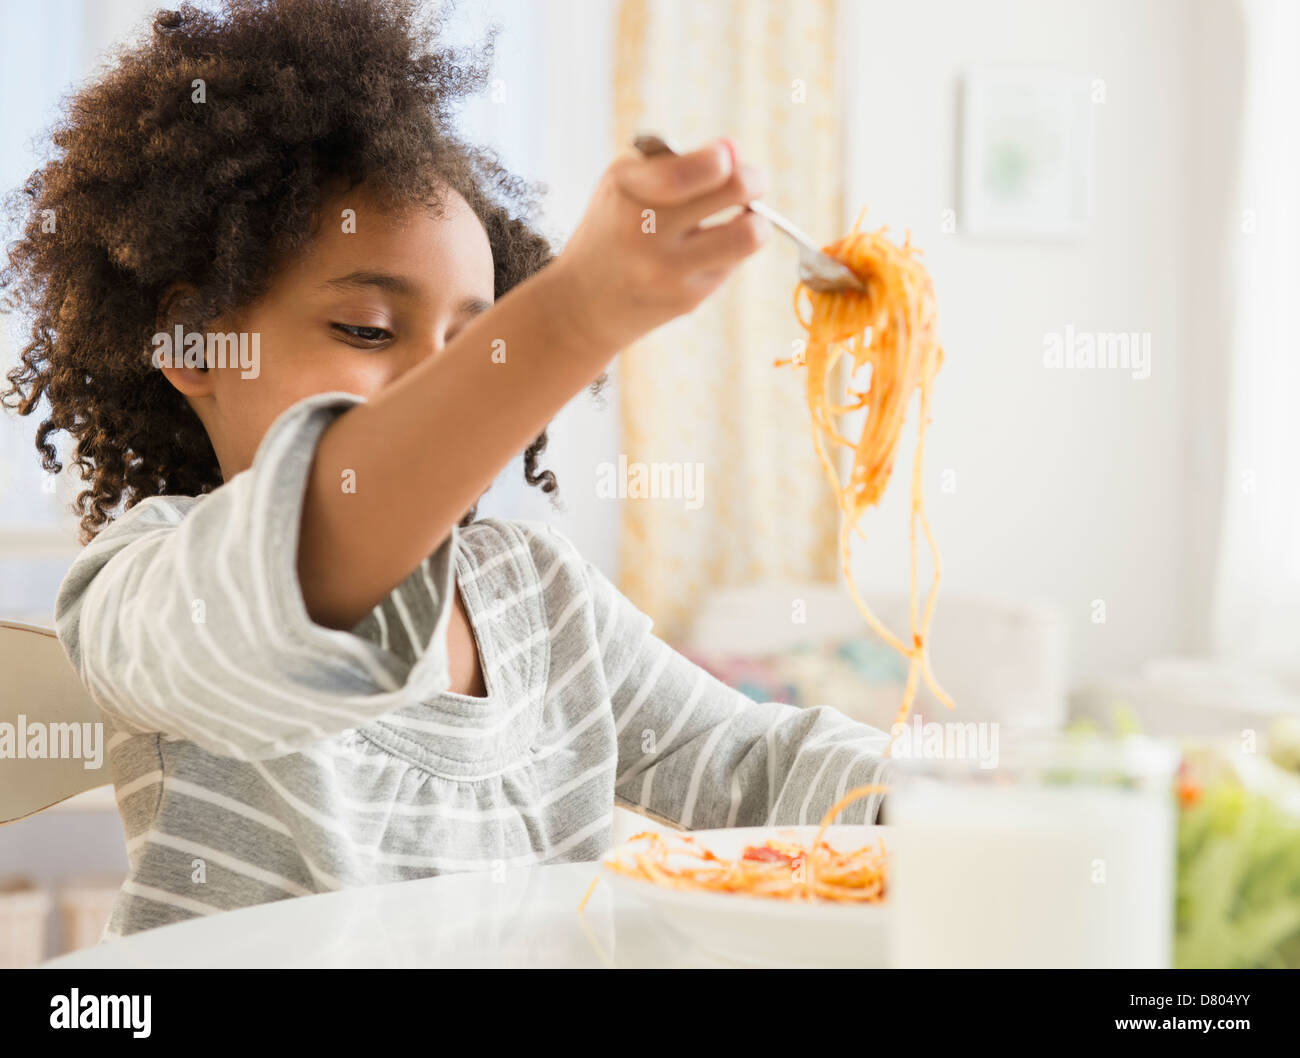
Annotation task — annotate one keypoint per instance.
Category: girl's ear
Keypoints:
(179, 352)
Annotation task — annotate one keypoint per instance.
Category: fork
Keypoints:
(817, 271)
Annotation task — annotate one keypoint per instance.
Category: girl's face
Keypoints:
(373, 295)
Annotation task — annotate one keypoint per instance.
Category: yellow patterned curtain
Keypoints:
(702, 393)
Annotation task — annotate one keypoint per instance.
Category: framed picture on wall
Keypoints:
(1025, 154)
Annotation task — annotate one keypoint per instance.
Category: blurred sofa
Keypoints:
(805, 643)
(999, 660)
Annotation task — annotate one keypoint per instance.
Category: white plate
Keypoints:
(762, 931)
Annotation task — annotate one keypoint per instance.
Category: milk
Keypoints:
(989, 875)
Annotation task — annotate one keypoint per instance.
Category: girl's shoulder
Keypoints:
(513, 532)
(143, 519)
(152, 512)
(494, 543)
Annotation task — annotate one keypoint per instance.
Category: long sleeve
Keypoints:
(185, 617)
(701, 754)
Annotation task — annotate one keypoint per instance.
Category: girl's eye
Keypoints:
(370, 335)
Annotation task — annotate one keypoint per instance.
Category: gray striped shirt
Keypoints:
(257, 755)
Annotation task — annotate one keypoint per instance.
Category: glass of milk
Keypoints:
(1059, 854)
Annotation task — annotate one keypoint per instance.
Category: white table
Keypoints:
(523, 918)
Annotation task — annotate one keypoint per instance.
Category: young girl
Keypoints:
(316, 669)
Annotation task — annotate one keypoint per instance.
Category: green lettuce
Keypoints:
(1238, 897)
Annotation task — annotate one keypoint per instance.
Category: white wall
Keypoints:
(1070, 486)
(554, 122)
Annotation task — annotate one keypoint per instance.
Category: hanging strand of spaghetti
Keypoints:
(888, 330)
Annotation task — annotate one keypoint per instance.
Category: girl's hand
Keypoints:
(639, 258)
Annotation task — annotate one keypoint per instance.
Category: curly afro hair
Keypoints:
(147, 188)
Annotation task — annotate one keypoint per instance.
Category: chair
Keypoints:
(39, 684)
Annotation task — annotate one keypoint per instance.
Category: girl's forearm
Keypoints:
(423, 450)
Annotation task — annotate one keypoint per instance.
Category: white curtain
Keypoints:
(701, 391)
(1257, 616)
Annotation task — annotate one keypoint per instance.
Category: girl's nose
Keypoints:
(432, 345)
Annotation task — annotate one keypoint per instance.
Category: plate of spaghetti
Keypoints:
(772, 896)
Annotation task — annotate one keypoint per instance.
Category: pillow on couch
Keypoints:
(860, 678)
(1001, 660)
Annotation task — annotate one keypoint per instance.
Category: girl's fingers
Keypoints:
(721, 247)
(746, 184)
(668, 180)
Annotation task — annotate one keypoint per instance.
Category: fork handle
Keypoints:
(650, 144)
(781, 223)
